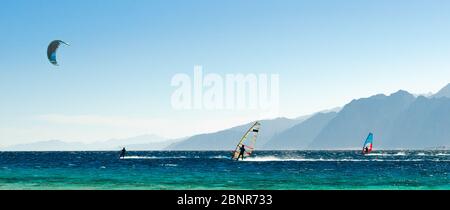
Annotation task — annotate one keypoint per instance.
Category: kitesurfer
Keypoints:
(122, 153)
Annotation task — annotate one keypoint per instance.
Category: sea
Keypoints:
(214, 170)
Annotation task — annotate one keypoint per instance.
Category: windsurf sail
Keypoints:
(368, 144)
(248, 141)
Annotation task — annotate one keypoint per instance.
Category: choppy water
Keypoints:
(214, 170)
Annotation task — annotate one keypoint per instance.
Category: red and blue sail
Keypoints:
(368, 144)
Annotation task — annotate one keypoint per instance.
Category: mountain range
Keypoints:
(399, 121)
(225, 139)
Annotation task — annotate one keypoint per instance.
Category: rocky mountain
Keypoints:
(227, 139)
(376, 114)
(444, 92)
(301, 135)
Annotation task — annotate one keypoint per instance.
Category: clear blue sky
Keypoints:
(114, 79)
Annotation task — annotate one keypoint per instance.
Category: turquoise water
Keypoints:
(214, 170)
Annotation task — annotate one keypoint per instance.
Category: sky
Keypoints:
(114, 80)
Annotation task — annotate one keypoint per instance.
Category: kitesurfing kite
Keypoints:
(51, 50)
(367, 148)
(246, 145)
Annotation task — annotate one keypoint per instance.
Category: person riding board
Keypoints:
(241, 152)
(122, 153)
(366, 150)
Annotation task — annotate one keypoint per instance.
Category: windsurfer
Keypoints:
(241, 152)
(366, 150)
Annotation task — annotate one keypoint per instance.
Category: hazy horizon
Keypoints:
(106, 144)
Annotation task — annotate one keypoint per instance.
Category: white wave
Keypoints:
(139, 157)
(438, 160)
(301, 159)
(439, 154)
(378, 154)
(153, 157)
(407, 160)
(169, 165)
(386, 154)
(220, 157)
(272, 158)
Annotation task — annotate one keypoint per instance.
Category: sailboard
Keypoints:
(248, 141)
(368, 144)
